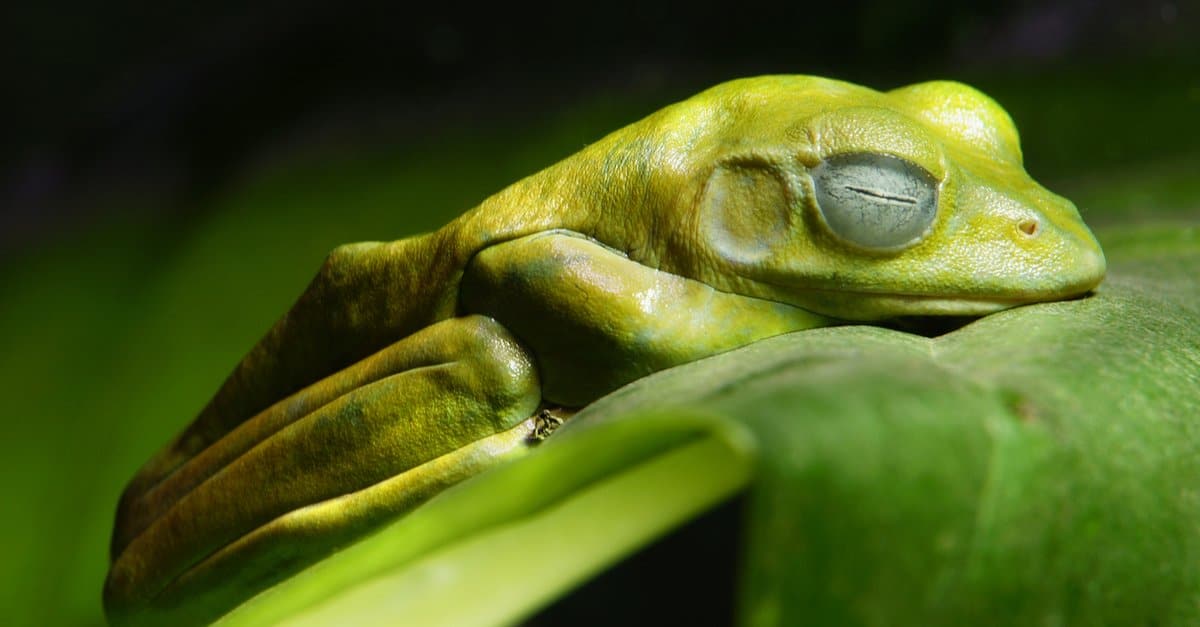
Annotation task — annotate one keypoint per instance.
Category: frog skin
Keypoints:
(758, 207)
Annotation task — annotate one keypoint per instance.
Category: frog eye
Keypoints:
(875, 201)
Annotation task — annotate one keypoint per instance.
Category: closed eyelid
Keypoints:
(875, 201)
(883, 195)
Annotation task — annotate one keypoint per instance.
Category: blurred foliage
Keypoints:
(116, 335)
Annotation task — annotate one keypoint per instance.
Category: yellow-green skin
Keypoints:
(409, 365)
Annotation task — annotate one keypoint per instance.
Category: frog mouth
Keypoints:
(901, 304)
(868, 305)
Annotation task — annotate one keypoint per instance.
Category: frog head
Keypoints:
(864, 205)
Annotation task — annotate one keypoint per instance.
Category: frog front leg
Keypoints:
(595, 319)
(333, 461)
(323, 466)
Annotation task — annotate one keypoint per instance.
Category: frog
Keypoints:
(758, 207)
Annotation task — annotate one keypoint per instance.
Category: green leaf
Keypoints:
(507, 541)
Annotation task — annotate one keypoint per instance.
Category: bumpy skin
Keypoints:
(409, 365)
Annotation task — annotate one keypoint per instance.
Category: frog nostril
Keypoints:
(1028, 226)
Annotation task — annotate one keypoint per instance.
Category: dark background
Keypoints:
(164, 101)
(172, 173)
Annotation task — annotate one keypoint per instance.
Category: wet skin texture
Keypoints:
(759, 207)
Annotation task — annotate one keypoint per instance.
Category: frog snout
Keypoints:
(1090, 266)
(1077, 259)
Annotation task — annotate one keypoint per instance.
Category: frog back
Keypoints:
(634, 190)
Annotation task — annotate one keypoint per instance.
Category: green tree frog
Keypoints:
(758, 207)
